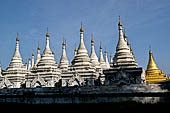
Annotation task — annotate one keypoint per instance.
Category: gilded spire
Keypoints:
(153, 74)
(151, 64)
(63, 43)
(47, 49)
(123, 57)
(105, 52)
(82, 48)
(17, 39)
(38, 46)
(81, 29)
(29, 58)
(120, 23)
(32, 53)
(63, 60)
(93, 56)
(92, 41)
(101, 47)
(47, 34)
(75, 49)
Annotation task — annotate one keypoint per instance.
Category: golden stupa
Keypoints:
(153, 74)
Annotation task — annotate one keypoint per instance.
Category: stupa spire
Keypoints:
(81, 29)
(38, 55)
(47, 49)
(32, 65)
(101, 59)
(47, 62)
(17, 52)
(151, 63)
(47, 34)
(111, 59)
(120, 23)
(121, 43)
(106, 60)
(16, 59)
(123, 57)
(82, 49)
(81, 59)
(29, 63)
(63, 60)
(153, 74)
(16, 70)
(93, 56)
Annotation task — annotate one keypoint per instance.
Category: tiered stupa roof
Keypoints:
(16, 70)
(153, 74)
(81, 59)
(16, 65)
(123, 57)
(47, 64)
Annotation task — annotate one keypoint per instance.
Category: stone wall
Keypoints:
(94, 94)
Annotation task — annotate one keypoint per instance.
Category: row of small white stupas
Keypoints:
(45, 72)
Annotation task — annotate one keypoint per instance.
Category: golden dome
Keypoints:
(38, 47)
(150, 52)
(101, 47)
(17, 39)
(81, 29)
(63, 43)
(47, 34)
(105, 52)
(75, 49)
(92, 41)
(29, 58)
(32, 54)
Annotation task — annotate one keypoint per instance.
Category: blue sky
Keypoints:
(147, 23)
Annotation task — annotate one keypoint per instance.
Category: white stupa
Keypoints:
(16, 70)
(46, 68)
(123, 57)
(64, 63)
(93, 57)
